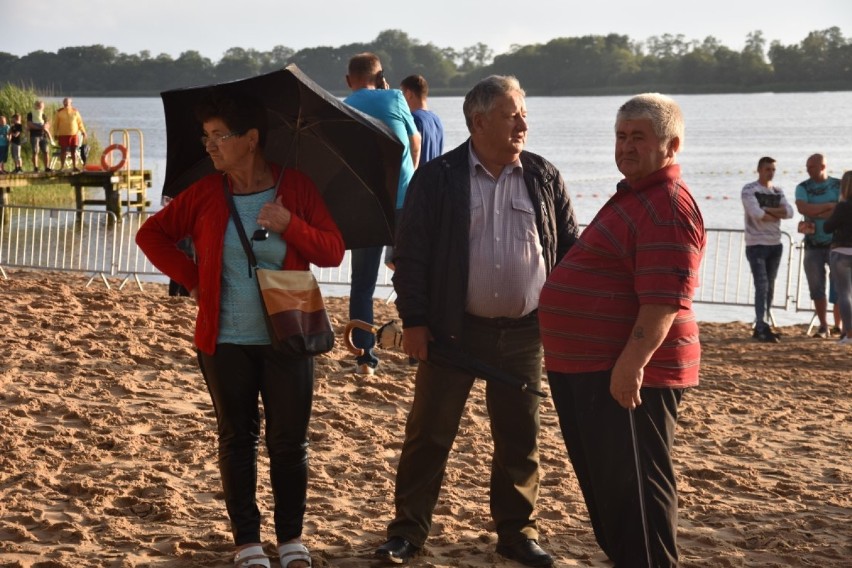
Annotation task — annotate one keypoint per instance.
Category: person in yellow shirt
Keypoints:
(67, 125)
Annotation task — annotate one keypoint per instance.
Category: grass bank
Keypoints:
(59, 196)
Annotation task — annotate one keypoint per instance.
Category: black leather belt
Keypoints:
(503, 322)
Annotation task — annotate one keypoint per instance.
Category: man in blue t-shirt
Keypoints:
(415, 89)
(816, 198)
(370, 95)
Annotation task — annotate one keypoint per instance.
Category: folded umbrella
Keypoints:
(352, 158)
(389, 336)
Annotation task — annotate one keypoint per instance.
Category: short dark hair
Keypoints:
(364, 64)
(765, 160)
(416, 84)
(239, 111)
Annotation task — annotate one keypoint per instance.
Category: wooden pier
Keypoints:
(133, 183)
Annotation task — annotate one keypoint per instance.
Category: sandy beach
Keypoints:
(108, 450)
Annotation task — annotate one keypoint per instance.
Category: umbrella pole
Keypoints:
(443, 355)
(525, 387)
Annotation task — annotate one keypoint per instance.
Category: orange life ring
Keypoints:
(105, 164)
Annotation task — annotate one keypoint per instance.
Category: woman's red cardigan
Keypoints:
(201, 213)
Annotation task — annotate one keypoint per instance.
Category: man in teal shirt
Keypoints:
(370, 95)
(816, 198)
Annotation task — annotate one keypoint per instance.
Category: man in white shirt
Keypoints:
(482, 226)
(765, 206)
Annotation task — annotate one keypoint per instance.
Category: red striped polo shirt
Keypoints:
(643, 247)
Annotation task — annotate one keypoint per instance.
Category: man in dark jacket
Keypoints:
(481, 228)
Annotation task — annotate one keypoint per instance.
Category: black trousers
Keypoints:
(599, 439)
(235, 376)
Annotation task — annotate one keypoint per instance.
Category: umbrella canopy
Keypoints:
(352, 158)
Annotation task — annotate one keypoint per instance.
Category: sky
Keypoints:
(213, 26)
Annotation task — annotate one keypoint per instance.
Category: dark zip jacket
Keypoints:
(840, 225)
(432, 246)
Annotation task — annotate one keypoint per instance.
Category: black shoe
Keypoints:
(766, 336)
(527, 552)
(396, 550)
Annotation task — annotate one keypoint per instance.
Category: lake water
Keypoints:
(725, 136)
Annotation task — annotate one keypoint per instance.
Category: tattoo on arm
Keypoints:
(638, 333)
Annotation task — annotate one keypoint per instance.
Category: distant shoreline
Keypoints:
(584, 92)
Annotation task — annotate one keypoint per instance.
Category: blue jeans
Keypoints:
(764, 261)
(816, 258)
(365, 272)
(841, 276)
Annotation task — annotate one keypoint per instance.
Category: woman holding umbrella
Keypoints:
(294, 229)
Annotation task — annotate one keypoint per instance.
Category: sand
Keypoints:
(107, 447)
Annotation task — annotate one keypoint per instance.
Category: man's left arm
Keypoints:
(404, 114)
(664, 283)
(778, 213)
(414, 141)
(651, 327)
(785, 207)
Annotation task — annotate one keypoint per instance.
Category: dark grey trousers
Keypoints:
(439, 400)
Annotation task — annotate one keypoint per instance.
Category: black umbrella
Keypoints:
(352, 158)
(389, 336)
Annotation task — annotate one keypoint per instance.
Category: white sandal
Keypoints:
(293, 552)
(251, 556)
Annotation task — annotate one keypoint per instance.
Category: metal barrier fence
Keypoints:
(58, 239)
(726, 274)
(131, 262)
(97, 243)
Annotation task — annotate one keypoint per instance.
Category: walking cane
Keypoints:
(639, 484)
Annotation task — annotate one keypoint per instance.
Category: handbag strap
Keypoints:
(229, 199)
(239, 225)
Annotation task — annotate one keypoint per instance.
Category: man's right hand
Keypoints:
(415, 342)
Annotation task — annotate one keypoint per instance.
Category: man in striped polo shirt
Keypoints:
(621, 341)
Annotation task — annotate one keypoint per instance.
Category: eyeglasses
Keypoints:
(216, 140)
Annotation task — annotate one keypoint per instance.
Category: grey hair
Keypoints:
(480, 99)
(663, 112)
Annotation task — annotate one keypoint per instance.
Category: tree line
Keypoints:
(594, 64)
